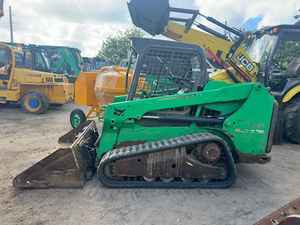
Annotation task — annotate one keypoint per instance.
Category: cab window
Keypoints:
(4, 57)
(40, 63)
(19, 57)
(28, 60)
(287, 55)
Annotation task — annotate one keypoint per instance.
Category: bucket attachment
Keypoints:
(66, 167)
(152, 16)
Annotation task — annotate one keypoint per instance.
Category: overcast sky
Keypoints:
(86, 23)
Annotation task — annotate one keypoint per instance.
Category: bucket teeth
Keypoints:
(66, 167)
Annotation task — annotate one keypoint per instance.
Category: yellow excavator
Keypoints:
(270, 55)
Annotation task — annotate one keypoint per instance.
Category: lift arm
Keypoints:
(155, 17)
(216, 47)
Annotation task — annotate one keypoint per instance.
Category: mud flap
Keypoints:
(67, 167)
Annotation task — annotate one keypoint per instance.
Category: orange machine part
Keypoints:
(99, 87)
(85, 89)
(111, 82)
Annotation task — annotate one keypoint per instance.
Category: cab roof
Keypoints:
(11, 46)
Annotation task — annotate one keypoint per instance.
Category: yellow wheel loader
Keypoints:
(24, 79)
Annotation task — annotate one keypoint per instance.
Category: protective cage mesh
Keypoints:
(162, 61)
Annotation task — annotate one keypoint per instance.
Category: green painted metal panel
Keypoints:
(247, 125)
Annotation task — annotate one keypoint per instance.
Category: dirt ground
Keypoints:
(24, 139)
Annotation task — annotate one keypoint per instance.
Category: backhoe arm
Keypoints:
(155, 17)
(216, 47)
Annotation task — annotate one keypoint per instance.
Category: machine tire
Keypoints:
(77, 117)
(35, 103)
(292, 121)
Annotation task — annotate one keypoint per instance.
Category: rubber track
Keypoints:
(163, 145)
(291, 116)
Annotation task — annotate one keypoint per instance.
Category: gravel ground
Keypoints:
(26, 138)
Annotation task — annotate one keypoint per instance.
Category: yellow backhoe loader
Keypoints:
(24, 79)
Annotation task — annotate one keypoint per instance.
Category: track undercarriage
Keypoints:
(193, 161)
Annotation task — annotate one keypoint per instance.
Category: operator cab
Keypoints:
(29, 57)
(32, 58)
(286, 58)
(166, 68)
(277, 50)
(5, 66)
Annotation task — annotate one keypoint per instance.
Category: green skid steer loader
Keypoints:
(179, 130)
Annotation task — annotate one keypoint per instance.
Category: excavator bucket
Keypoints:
(152, 16)
(67, 167)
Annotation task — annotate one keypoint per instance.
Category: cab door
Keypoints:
(5, 67)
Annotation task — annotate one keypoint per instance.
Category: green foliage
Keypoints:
(115, 47)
